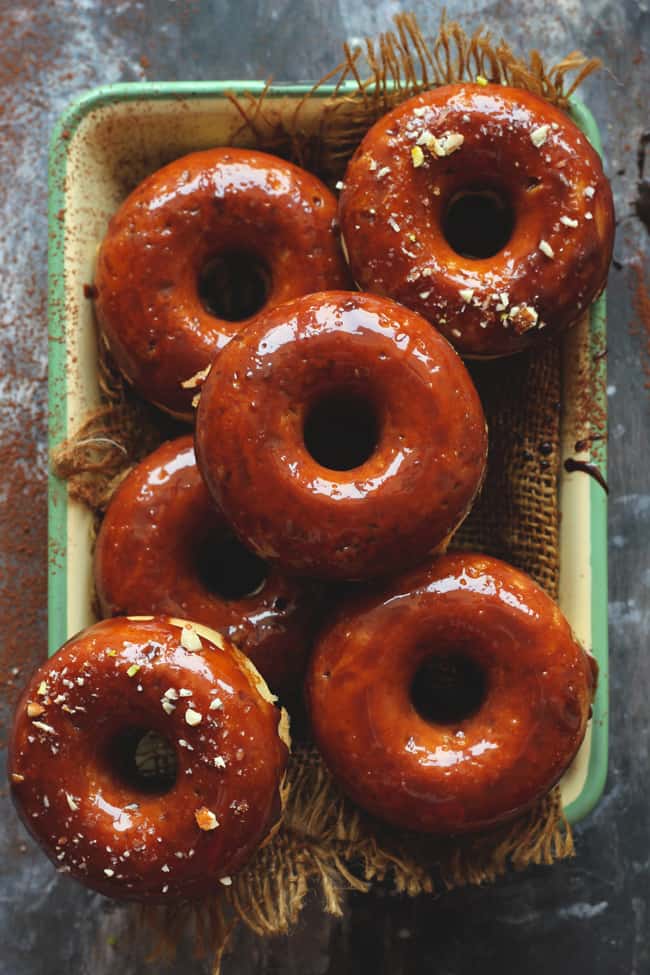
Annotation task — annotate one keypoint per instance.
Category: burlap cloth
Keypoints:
(325, 840)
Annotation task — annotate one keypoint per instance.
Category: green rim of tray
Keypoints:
(57, 492)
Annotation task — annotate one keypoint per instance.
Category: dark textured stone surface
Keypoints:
(590, 914)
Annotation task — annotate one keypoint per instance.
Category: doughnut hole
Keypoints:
(448, 689)
(143, 760)
(234, 285)
(341, 430)
(478, 223)
(229, 570)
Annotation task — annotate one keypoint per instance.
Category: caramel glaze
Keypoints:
(476, 772)
(176, 221)
(106, 833)
(147, 560)
(392, 211)
(404, 500)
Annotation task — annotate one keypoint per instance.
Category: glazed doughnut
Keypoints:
(163, 547)
(452, 699)
(341, 436)
(73, 760)
(485, 209)
(196, 251)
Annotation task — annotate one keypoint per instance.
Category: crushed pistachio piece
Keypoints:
(444, 146)
(384, 171)
(111, 653)
(539, 135)
(481, 80)
(184, 692)
(523, 317)
(74, 806)
(546, 249)
(132, 670)
(167, 706)
(42, 689)
(197, 378)
(190, 639)
(171, 694)
(467, 294)
(192, 717)
(215, 704)
(568, 222)
(205, 818)
(417, 156)
(44, 727)
(34, 709)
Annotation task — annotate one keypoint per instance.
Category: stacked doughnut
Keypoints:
(338, 439)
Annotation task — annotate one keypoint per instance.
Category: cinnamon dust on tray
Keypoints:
(639, 328)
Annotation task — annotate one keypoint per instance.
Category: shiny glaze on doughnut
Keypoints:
(476, 772)
(107, 833)
(389, 512)
(391, 215)
(147, 561)
(172, 224)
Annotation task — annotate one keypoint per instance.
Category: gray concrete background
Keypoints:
(590, 914)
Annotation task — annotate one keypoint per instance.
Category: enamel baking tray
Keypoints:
(112, 138)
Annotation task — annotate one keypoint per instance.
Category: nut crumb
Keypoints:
(17, 777)
(205, 819)
(539, 135)
(190, 639)
(226, 881)
(417, 156)
(71, 802)
(132, 670)
(546, 249)
(568, 222)
(466, 294)
(192, 717)
(197, 379)
(34, 710)
(215, 704)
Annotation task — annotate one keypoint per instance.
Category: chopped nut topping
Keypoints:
(111, 653)
(467, 294)
(17, 777)
(589, 191)
(184, 692)
(171, 694)
(539, 136)
(340, 184)
(205, 819)
(215, 704)
(71, 802)
(109, 872)
(444, 146)
(568, 222)
(197, 378)
(193, 717)
(420, 111)
(417, 156)
(504, 301)
(219, 761)
(372, 165)
(165, 868)
(167, 706)
(44, 727)
(190, 639)
(393, 224)
(384, 171)
(481, 80)
(456, 333)
(589, 215)
(195, 401)
(42, 689)
(226, 881)
(34, 710)
(546, 248)
(523, 317)
(132, 670)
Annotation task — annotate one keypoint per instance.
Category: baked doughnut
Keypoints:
(342, 436)
(452, 699)
(485, 209)
(163, 547)
(86, 758)
(196, 251)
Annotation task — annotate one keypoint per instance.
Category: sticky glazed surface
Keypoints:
(205, 205)
(98, 826)
(461, 775)
(503, 142)
(424, 470)
(161, 527)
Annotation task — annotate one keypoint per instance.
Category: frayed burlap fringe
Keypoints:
(325, 841)
(330, 846)
(374, 78)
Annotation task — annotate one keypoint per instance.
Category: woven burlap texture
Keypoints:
(325, 839)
